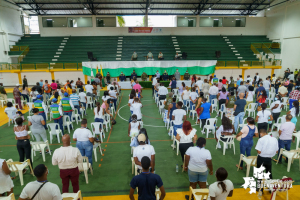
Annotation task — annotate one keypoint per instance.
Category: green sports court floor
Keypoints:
(112, 172)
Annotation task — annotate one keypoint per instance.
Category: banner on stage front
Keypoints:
(144, 30)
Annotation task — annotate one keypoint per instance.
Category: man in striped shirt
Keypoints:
(75, 101)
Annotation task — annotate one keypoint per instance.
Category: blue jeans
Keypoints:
(78, 108)
(191, 105)
(289, 91)
(60, 122)
(130, 116)
(211, 97)
(115, 104)
(276, 91)
(184, 102)
(238, 120)
(175, 127)
(84, 105)
(70, 115)
(284, 144)
(245, 147)
(267, 91)
(44, 116)
(86, 149)
(25, 96)
(195, 177)
(99, 120)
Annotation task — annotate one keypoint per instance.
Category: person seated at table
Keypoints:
(149, 55)
(177, 57)
(165, 76)
(160, 56)
(134, 56)
(122, 77)
(133, 74)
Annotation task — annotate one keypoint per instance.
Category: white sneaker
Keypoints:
(173, 146)
(219, 146)
(203, 132)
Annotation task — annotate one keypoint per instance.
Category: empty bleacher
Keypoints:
(112, 48)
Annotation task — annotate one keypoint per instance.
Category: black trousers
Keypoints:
(24, 150)
(162, 97)
(203, 121)
(275, 117)
(152, 90)
(262, 126)
(267, 163)
(221, 101)
(183, 147)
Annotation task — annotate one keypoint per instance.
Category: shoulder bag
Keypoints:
(38, 190)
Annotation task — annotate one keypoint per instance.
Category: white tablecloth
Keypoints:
(125, 85)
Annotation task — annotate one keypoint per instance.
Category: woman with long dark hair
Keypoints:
(133, 92)
(221, 189)
(225, 129)
(181, 88)
(187, 137)
(99, 113)
(263, 117)
(222, 96)
(56, 95)
(261, 97)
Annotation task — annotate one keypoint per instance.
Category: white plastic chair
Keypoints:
(278, 123)
(251, 109)
(175, 91)
(112, 109)
(156, 98)
(11, 116)
(161, 106)
(274, 134)
(67, 122)
(285, 102)
(243, 124)
(96, 145)
(30, 105)
(89, 102)
(297, 135)
(95, 129)
(2, 101)
(222, 110)
(72, 196)
(271, 98)
(106, 121)
(291, 155)
(54, 129)
(82, 110)
(210, 125)
(230, 141)
(141, 124)
(76, 116)
(10, 197)
(134, 167)
(177, 144)
(18, 168)
(39, 146)
(214, 105)
(84, 167)
(250, 162)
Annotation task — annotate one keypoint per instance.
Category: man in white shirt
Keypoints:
(179, 116)
(213, 91)
(154, 81)
(266, 85)
(134, 56)
(241, 78)
(67, 159)
(291, 76)
(256, 79)
(136, 108)
(82, 97)
(48, 190)
(143, 150)
(285, 135)
(193, 98)
(249, 79)
(160, 56)
(149, 55)
(266, 147)
(162, 92)
(241, 89)
(199, 83)
(89, 89)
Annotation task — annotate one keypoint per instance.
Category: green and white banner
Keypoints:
(200, 67)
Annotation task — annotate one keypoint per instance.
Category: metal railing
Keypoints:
(40, 66)
(248, 63)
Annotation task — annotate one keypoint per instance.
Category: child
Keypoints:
(20, 114)
(134, 127)
(137, 93)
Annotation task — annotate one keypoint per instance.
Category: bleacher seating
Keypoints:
(112, 48)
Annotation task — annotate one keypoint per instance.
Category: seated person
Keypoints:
(224, 130)
(134, 141)
(177, 57)
(11, 108)
(149, 55)
(134, 56)
(160, 56)
(133, 127)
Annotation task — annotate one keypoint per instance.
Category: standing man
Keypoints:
(97, 80)
(75, 101)
(162, 92)
(107, 78)
(249, 79)
(67, 159)
(256, 79)
(157, 74)
(79, 83)
(57, 114)
(239, 110)
(133, 74)
(213, 92)
(149, 55)
(160, 56)
(53, 86)
(285, 135)
(25, 83)
(122, 77)
(134, 56)
(144, 76)
(42, 108)
(67, 106)
(295, 74)
(179, 116)
(3, 93)
(146, 182)
(17, 96)
(214, 80)
(291, 76)
(231, 84)
(165, 76)
(154, 81)
(266, 85)
(186, 76)
(47, 88)
(266, 147)
(177, 75)
(199, 83)
(241, 89)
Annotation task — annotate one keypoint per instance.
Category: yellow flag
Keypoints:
(101, 71)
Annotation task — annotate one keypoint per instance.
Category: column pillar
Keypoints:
(20, 78)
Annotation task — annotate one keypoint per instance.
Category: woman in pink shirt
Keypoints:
(222, 96)
(220, 85)
(53, 85)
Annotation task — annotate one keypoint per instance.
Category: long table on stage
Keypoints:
(148, 84)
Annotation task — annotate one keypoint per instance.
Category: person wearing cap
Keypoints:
(165, 76)
(57, 114)
(143, 150)
(75, 101)
(67, 106)
(122, 77)
(17, 96)
(214, 80)
(146, 183)
(48, 190)
(42, 108)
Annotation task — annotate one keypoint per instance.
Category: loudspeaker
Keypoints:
(218, 54)
(184, 55)
(90, 55)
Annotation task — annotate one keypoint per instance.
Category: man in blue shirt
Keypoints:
(75, 100)
(133, 74)
(122, 77)
(146, 183)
